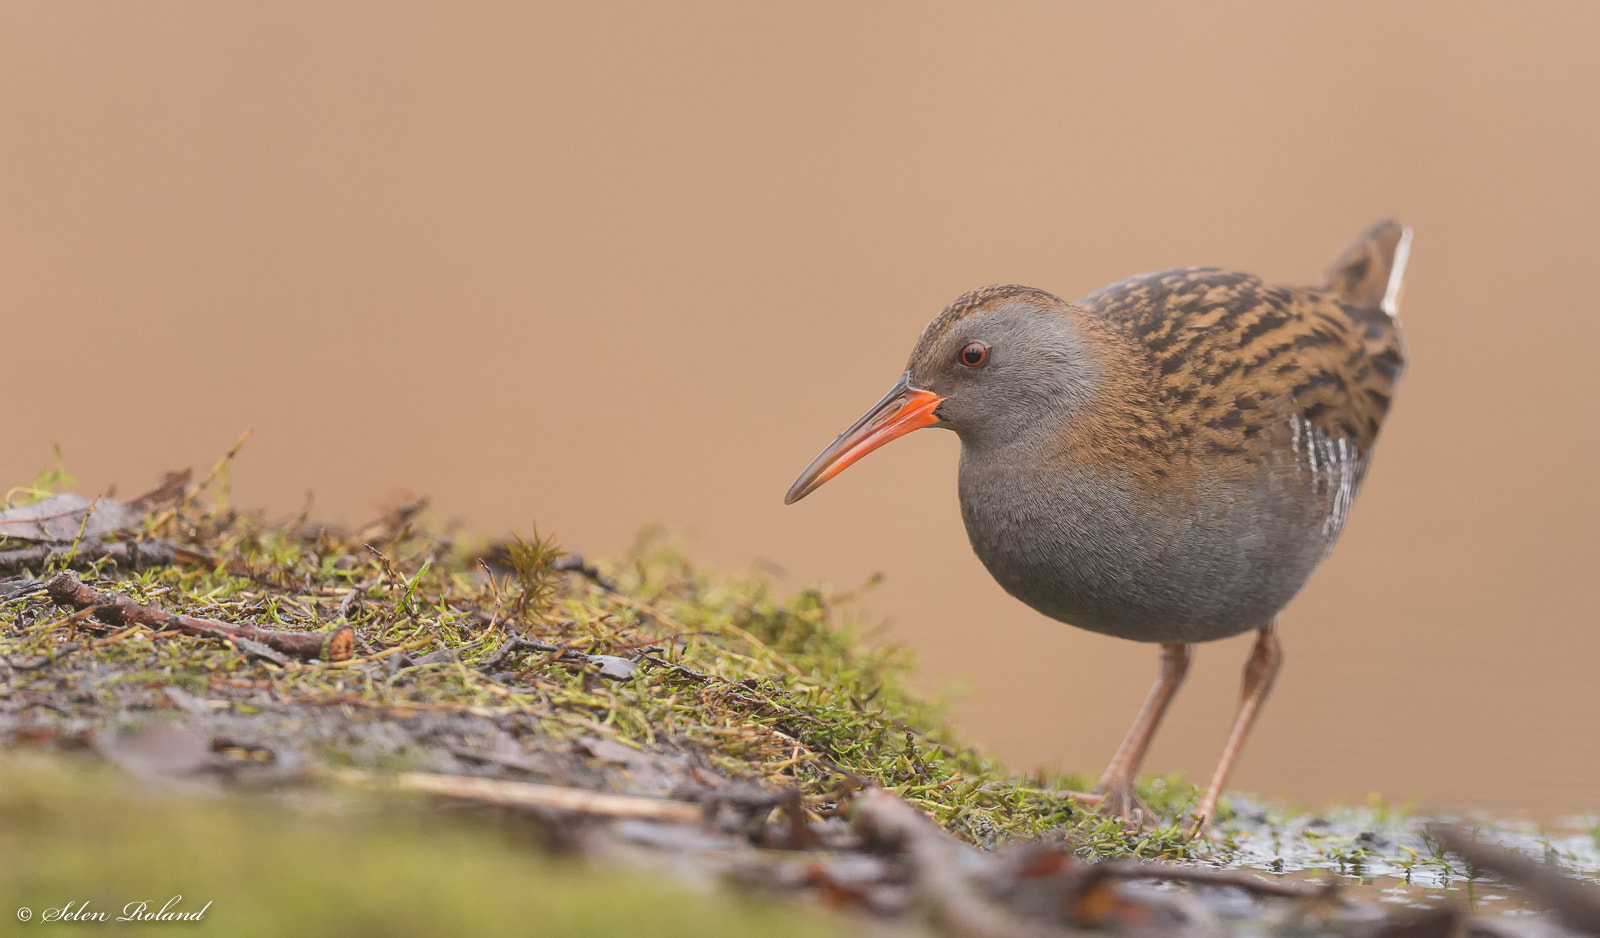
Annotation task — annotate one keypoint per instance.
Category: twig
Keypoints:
(135, 554)
(378, 656)
(513, 644)
(612, 666)
(40, 661)
(182, 495)
(383, 562)
(216, 469)
(1577, 904)
(528, 795)
(16, 589)
(937, 860)
(685, 670)
(494, 587)
(260, 649)
(65, 589)
(77, 540)
(1202, 876)
(574, 563)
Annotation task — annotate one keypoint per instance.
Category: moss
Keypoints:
(781, 690)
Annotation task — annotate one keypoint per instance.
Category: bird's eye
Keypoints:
(974, 354)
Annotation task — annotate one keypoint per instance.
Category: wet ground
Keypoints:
(1375, 855)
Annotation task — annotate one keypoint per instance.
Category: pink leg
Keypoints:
(1259, 671)
(1116, 785)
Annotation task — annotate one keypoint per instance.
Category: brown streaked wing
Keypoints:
(1231, 356)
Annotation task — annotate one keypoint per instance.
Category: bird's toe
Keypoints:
(1120, 801)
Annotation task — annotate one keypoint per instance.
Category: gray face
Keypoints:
(1036, 373)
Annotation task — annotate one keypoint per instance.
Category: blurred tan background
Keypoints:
(599, 265)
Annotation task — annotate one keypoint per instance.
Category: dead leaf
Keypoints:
(168, 493)
(60, 519)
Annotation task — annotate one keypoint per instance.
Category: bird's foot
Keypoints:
(1088, 799)
(1119, 800)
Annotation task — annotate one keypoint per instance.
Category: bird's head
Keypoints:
(1001, 364)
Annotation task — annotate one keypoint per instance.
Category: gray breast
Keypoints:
(1080, 546)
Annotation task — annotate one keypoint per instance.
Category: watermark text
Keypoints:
(139, 910)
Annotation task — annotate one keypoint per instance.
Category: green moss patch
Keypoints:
(710, 681)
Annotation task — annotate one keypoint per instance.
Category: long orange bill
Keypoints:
(902, 410)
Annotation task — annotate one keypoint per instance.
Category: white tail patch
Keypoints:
(1397, 275)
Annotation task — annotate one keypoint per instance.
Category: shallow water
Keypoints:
(1392, 861)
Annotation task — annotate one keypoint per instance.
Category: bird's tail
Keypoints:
(1369, 273)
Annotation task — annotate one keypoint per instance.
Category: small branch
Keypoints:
(65, 589)
(685, 670)
(939, 865)
(509, 646)
(261, 650)
(189, 495)
(132, 554)
(39, 661)
(574, 563)
(1203, 876)
(383, 562)
(611, 666)
(19, 587)
(528, 795)
(1576, 903)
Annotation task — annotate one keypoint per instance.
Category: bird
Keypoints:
(1166, 460)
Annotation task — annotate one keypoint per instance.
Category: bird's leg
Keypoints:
(1116, 786)
(1259, 671)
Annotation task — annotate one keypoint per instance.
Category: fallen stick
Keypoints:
(65, 589)
(134, 554)
(612, 666)
(510, 645)
(1204, 876)
(574, 563)
(529, 795)
(939, 864)
(1574, 902)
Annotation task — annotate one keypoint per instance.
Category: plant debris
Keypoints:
(636, 708)
(66, 518)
